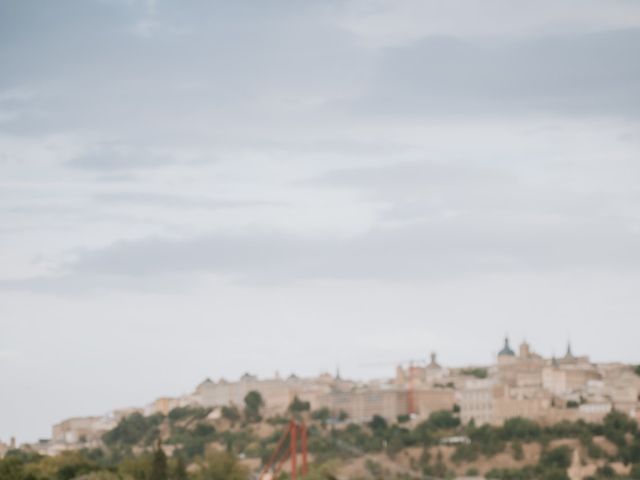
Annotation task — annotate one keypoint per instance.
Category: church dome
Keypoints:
(506, 350)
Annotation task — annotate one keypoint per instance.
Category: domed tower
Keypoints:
(506, 355)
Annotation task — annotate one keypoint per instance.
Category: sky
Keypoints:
(206, 188)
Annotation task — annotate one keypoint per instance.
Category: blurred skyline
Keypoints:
(194, 189)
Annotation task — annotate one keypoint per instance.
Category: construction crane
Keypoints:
(283, 451)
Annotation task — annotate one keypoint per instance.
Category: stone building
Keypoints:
(276, 392)
(429, 400)
(477, 401)
(82, 429)
(362, 404)
(428, 374)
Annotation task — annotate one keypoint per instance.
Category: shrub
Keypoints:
(231, 413)
(403, 418)
(377, 424)
(517, 450)
(443, 420)
(520, 429)
(298, 405)
(594, 451)
(559, 457)
(606, 471)
(464, 453)
(555, 474)
(133, 429)
(180, 413)
(322, 414)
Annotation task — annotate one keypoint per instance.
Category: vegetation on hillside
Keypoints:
(196, 447)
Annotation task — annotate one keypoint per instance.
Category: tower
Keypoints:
(506, 356)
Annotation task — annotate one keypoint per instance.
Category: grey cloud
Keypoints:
(241, 67)
(493, 189)
(176, 85)
(436, 249)
(578, 74)
(392, 179)
(165, 200)
(118, 157)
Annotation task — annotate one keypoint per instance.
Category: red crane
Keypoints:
(281, 453)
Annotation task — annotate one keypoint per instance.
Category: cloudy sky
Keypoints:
(192, 189)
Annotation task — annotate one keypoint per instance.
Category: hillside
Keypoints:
(231, 443)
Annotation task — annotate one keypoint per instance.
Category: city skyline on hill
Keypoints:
(362, 372)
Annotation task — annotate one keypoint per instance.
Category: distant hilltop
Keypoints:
(519, 384)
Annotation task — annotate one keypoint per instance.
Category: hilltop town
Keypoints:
(453, 403)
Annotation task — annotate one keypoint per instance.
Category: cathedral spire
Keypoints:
(569, 353)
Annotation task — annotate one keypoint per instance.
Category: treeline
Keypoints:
(82, 465)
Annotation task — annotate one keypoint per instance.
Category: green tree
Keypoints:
(231, 413)
(378, 424)
(133, 429)
(221, 466)
(517, 450)
(394, 446)
(158, 464)
(439, 468)
(65, 466)
(555, 474)
(425, 459)
(519, 428)
(616, 425)
(137, 468)
(297, 405)
(559, 457)
(179, 468)
(322, 414)
(253, 402)
(443, 420)
(403, 418)
(11, 468)
(464, 453)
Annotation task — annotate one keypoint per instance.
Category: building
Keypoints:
(477, 401)
(5, 447)
(522, 384)
(428, 374)
(429, 400)
(276, 392)
(82, 429)
(362, 404)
